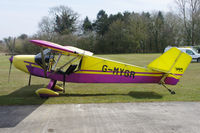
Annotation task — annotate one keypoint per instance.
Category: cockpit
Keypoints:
(53, 61)
(48, 54)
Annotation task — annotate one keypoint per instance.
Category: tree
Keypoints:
(10, 43)
(138, 33)
(64, 19)
(116, 17)
(65, 23)
(87, 42)
(61, 20)
(173, 29)
(157, 31)
(87, 25)
(115, 40)
(23, 36)
(101, 24)
(46, 27)
(190, 11)
(119, 33)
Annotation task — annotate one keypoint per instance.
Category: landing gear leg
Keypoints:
(64, 76)
(52, 86)
(64, 87)
(171, 91)
(50, 91)
(162, 82)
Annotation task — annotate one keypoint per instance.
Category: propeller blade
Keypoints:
(9, 72)
(11, 60)
(12, 48)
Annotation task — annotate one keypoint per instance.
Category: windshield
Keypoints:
(45, 52)
(47, 55)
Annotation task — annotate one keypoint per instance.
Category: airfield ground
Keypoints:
(141, 108)
(16, 92)
(158, 117)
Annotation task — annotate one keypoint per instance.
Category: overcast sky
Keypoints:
(22, 16)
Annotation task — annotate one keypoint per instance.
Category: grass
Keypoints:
(18, 93)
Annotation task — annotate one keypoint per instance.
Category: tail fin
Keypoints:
(173, 63)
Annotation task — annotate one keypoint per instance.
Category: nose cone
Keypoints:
(22, 61)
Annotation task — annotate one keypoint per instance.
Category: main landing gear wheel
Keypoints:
(45, 93)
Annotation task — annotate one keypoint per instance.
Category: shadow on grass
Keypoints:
(145, 95)
(134, 94)
(10, 116)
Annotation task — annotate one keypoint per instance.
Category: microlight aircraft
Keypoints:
(83, 67)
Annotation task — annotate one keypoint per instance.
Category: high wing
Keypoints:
(67, 50)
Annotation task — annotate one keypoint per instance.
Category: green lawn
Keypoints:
(18, 93)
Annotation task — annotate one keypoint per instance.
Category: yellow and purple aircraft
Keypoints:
(83, 67)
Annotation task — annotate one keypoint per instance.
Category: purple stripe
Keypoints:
(100, 78)
(171, 81)
(179, 74)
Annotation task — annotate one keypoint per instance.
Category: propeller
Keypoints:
(11, 60)
(11, 47)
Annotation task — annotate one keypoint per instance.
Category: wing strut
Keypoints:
(57, 61)
(43, 63)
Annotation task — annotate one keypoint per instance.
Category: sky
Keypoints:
(22, 16)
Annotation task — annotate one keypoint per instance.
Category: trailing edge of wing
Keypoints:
(62, 49)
